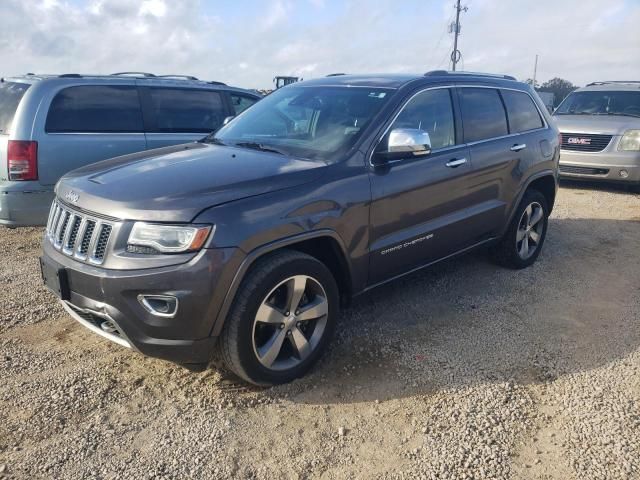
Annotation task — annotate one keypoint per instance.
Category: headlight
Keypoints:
(630, 141)
(167, 238)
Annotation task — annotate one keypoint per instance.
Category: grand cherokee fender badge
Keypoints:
(409, 243)
(72, 196)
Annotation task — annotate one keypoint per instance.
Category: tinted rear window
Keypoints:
(483, 114)
(523, 114)
(95, 109)
(10, 95)
(182, 110)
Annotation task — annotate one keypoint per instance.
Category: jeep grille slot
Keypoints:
(584, 142)
(77, 234)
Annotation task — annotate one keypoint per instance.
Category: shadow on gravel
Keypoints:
(466, 322)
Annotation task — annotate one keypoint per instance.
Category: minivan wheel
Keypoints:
(281, 320)
(525, 236)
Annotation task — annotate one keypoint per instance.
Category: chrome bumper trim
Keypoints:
(119, 339)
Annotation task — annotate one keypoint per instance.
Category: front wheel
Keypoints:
(282, 319)
(523, 240)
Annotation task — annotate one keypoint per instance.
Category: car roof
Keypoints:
(151, 79)
(612, 85)
(395, 81)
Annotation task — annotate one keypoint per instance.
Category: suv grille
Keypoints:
(584, 142)
(78, 235)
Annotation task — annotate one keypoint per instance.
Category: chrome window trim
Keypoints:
(464, 144)
(95, 133)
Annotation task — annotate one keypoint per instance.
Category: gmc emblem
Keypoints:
(579, 141)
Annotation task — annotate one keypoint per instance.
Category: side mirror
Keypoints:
(403, 143)
(227, 120)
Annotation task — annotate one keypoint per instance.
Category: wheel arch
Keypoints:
(545, 182)
(324, 245)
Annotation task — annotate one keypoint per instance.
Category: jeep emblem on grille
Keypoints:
(72, 196)
(579, 141)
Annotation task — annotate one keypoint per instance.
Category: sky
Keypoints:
(247, 42)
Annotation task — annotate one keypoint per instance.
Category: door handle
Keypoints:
(456, 162)
(518, 146)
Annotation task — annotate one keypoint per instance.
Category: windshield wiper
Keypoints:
(211, 139)
(259, 146)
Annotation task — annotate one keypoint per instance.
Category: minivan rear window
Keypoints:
(95, 109)
(10, 95)
(180, 110)
(483, 114)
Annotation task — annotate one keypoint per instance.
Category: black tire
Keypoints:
(236, 342)
(507, 252)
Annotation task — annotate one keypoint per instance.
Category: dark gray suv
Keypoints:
(242, 246)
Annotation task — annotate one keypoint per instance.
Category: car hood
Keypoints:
(174, 184)
(602, 124)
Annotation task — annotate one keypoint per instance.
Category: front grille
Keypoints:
(585, 142)
(78, 235)
(583, 170)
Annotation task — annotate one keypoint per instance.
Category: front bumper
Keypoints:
(24, 205)
(98, 295)
(601, 166)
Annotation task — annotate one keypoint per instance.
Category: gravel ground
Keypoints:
(462, 371)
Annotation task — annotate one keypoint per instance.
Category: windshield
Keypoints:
(10, 95)
(308, 122)
(601, 103)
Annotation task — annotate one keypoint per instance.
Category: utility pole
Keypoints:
(535, 71)
(455, 29)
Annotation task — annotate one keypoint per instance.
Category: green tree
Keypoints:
(559, 87)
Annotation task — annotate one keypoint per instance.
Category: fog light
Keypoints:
(159, 305)
(623, 173)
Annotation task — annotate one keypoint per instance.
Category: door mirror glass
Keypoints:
(404, 143)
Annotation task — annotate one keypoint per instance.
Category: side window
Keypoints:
(431, 111)
(182, 110)
(522, 112)
(240, 102)
(483, 114)
(95, 109)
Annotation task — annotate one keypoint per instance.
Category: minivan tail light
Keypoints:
(22, 160)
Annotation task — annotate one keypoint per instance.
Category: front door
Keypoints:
(421, 207)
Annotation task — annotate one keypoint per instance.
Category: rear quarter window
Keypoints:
(95, 109)
(522, 112)
(241, 102)
(10, 95)
(187, 111)
(483, 114)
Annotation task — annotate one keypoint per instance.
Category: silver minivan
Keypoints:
(600, 127)
(52, 124)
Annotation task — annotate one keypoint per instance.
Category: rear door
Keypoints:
(495, 154)
(88, 123)
(175, 115)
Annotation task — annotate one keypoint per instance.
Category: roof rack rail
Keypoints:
(69, 75)
(438, 73)
(186, 77)
(215, 82)
(139, 74)
(605, 82)
(336, 74)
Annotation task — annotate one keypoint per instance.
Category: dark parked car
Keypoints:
(244, 245)
(51, 124)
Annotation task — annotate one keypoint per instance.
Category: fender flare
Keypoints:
(259, 252)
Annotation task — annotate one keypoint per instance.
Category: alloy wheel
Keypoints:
(290, 322)
(530, 230)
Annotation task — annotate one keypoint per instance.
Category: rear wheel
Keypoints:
(282, 319)
(522, 243)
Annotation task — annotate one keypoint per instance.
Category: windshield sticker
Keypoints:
(378, 94)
